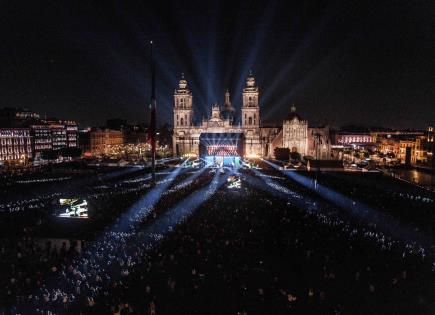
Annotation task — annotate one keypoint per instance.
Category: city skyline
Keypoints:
(337, 62)
(217, 157)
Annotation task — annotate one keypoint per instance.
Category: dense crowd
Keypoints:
(28, 204)
(37, 274)
(254, 250)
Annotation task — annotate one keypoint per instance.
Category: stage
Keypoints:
(221, 149)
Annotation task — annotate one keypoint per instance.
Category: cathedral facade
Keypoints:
(186, 134)
(258, 140)
(308, 141)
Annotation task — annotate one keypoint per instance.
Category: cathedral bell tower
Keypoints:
(250, 109)
(251, 118)
(182, 139)
(183, 111)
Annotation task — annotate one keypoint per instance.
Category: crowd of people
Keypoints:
(24, 205)
(401, 200)
(38, 278)
(253, 250)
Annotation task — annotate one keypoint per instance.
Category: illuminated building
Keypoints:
(319, 143)
(53, 135)
(416, 150)
(430, 134)
(71, 133)
(251, 118)
(58, 136)
(400, 144)
(271, 138)
(104, 141)
(42, 139)
(186, 134)
(354, 138)
(307, 141)
(64, 133)
(389, 145)
(15, 145)
(257, 140)
(45, 134)
(419, 154)
(295, 133)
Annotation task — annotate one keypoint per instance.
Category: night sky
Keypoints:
(343, 62)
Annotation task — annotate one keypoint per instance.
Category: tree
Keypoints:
(282, 154)
(296, 156)
(308, 158)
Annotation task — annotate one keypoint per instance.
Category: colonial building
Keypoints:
(299, 137)
(414, 148)
(356, 138)
(295, 133)
(72, 134)
(42, 139)
(53, 135)
(15, 145)
(258, 140)
(319, 143)
(186, 133)
(104, 141)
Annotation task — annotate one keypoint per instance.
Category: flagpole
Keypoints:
(153, 117)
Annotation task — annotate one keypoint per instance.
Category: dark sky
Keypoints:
(361, 62)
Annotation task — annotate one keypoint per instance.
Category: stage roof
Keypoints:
(210, 136)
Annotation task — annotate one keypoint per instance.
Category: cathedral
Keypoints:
(256, 140)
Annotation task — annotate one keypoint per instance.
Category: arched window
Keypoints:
(181, 121)
(250, 120)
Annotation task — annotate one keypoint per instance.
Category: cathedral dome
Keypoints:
(293, 114)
